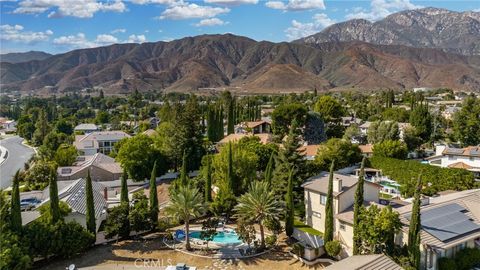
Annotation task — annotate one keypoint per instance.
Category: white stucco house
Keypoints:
(344, 186)
(467, 158)
(98, 142)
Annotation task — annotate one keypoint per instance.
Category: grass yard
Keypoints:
(305, 228)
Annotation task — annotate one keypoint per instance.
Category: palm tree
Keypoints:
(257, 206)
(186, 203)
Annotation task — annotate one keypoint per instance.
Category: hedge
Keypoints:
(434, 179)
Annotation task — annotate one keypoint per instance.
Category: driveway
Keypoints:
(18, 154)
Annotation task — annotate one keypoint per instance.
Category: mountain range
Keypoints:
(355, 54)
(23, 57)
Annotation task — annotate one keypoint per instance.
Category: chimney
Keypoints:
(105, 193)
(337, 184)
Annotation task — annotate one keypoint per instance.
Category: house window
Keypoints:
(317, 214)
(323, 199)
(342, 226)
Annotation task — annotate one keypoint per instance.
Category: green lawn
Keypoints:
(385, 196)
(305, 228)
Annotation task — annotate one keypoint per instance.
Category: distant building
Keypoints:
(7, 125)
(309, 151)
(255, 127)
(365, 262)
(344, 187)
(366, 149)
(467, 158)
(350, 120)
(264, 138)
(98, 142)
(422, 89)
(449, 223)
(101, 167)
(86, 128)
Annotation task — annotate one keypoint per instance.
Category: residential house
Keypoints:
(365, 262)
(467, 158)
(8, 125)
(101, 167)
(366, 149)
(344, 187)
(86, 128)
(98, 142)
(309, 151)
(350, 120)
(235, 137)
(75, 196)
(364, 128)
(450, 111)
(449, 223)
(255, 127)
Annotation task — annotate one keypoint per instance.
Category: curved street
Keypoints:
(18, 154)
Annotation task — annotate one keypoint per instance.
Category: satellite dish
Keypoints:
(71, 267)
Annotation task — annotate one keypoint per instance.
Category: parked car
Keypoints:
(29, 204)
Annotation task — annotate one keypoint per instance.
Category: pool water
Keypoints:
(220, 237)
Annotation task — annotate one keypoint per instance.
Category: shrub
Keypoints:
(271, 240)
(298, 249)
(446, 264)
(333, 248)
(436, 179)
(467, 258)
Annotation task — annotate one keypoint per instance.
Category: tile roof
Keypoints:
(98, 160)
(470, 151)
(365, 262)
(366, 148)
(309, 150)
(460, 165)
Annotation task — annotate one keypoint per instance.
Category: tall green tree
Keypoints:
(208, 181)
(290, 209)
(124, 188)
(357, 208)
(258, 206)
(54, 201)
(41, 128)
(421, 119)
(183, 172)
(186, 203)
(269, 169)
(90, 213)
(328, 235)
(230, 174)
(414, 228)
(153, 196)
(466, 122)
(15, 213)
(231, 116)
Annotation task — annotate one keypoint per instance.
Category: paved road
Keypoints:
(18, 154)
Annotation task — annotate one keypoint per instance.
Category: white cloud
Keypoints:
(299, 30)
(106, 39)
(476, 10)
(380, 9)
(296, 5)
(16, 33)
(162, 2)
(74, 8)
(190, 11)
(231, 2)
(136, 39)
(118, 30)
(210, 22)
(80, 41)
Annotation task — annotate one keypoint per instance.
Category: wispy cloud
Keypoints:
(16, 33)
(299, 30)
(380, 9)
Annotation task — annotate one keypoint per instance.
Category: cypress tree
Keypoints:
(230, 175)
(289, 217)
(54, 201)
(124, 188)
(269, 170)
(328, 235)
(357, 207)
(153, 196)
(90, 213)
(208, 181)
(230, 118)
(414, 228)
(16, 216)
(183, 171)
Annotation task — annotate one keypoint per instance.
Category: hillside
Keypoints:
(23, 57)
(218, 61)
(456, 32)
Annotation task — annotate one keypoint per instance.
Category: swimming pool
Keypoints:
(221, 237)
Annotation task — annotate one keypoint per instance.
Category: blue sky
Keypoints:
(57, 26)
